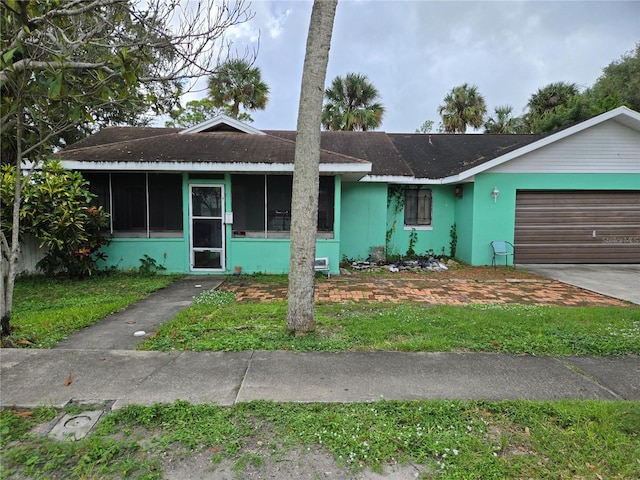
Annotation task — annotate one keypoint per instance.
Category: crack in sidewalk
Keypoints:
(244, 377)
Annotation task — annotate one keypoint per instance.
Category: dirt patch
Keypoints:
(260, 464)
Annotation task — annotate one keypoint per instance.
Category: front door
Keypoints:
(206, 215)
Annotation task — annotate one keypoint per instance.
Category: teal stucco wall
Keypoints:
(496, 221)
(170, 253)
(437, 237)
(363, 221)
(464, 222)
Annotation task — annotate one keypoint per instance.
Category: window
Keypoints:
(262, 206)
(141, 204)
(417, 207)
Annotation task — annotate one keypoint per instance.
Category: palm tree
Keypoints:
(554, 106)
(548, 98)
(237, 83)
(463, 106)
(351, 104)
(503, 121)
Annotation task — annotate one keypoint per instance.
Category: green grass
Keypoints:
(224, 325)
(47, 310)
(453, 439)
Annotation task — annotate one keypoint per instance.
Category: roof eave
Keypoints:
(400, 179)
(337, 168)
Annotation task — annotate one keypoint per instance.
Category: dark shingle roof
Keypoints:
(428, 156)
(443, 155)
(149, 145)
(375, 147)
(120, 134)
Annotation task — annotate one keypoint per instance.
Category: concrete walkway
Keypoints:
(32, 378)
(123, 330)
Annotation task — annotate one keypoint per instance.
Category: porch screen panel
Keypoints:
(279, 202)
(247, 198)
(99, 186)
(129, 202)
(325, 204)
(165, 203)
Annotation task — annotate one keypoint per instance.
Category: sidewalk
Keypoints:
(32, 378)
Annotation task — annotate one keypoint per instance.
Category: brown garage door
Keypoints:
(577, 227)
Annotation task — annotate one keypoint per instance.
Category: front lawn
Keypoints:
(47, 310)
(219, 323)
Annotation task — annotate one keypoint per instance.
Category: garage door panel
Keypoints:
(567, 234)
(571, 254)
(559, 227)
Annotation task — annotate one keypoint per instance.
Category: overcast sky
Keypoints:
(414, 52)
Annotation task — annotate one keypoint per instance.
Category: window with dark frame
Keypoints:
(417, 207)
(261, 206)
(140, 204)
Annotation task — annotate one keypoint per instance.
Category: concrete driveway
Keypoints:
(618, 281)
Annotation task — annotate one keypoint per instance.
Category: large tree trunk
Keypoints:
(304, 201)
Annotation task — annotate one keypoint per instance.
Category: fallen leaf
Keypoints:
(24, 342)
(26, 413)
(215, 449)
(68, 381)
(131, 322)
(527, 432)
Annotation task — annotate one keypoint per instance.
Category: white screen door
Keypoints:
(206, 208)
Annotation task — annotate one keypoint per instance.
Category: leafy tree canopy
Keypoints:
(619, 83)
(69, 67)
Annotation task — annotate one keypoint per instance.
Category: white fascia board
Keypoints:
(622, 114)
(397, 179)
(461, 178)
(207, 167)
(220, 119)
(345, 167)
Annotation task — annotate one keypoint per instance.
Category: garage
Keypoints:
(577, 227)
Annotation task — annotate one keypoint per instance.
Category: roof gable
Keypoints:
(222, 123)
(622, 115)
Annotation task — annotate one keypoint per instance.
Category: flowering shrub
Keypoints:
(57, 210)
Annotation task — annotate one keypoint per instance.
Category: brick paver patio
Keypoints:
(429, 290)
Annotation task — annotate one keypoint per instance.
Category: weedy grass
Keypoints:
(47, 310)
(451, 439)
(221, 324)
